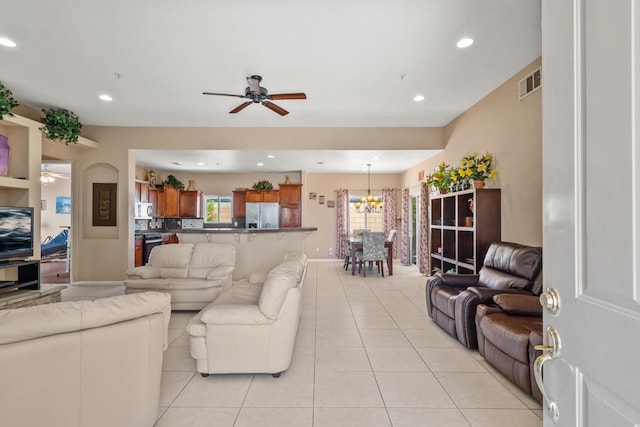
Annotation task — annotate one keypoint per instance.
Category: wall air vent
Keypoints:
(529, 84)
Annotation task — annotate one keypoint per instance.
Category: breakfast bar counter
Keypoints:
(257, 250)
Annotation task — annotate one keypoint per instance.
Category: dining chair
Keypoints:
(357, 232)
(346, 251)
(372, 251)
(392, 235)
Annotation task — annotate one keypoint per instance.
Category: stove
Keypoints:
(149, 241)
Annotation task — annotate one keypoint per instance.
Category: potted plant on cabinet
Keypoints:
(172, 180)
(62, 125)
(7, 101)
(263, 185)
(440, 179)
(478, 168)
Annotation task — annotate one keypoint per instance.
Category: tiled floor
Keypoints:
(366, 354)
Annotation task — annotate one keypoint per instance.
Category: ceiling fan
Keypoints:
(257, 94)
(46, 176)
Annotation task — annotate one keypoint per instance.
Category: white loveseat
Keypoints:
(251, 328)
(85, 363)
(193, 274)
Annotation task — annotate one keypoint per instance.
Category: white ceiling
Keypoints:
(359, 62)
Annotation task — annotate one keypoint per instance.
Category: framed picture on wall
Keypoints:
(63, 205)
(321, 200)
(104, 204)
(331, 203)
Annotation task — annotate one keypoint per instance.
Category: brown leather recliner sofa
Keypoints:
(507, 335)
(452, 299)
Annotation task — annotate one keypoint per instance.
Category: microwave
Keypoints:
(143, 210)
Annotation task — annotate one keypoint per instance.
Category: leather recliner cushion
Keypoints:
(444, 299)
(510, 333)
(496, 279)
(519, 260)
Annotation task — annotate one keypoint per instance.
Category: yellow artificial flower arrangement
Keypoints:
(478, 167)
(441, 178)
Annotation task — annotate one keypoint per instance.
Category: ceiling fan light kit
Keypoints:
(260, 95)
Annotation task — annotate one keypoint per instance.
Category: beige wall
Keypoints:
(511, 129)
(500, 123)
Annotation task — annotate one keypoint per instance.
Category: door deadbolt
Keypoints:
(550, 299)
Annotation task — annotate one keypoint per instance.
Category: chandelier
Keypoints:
(369, 204)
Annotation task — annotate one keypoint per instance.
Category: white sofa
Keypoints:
(251, 328)
(86, 363)
(193, 274)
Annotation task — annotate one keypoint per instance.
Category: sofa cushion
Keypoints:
(172, 260)
(515, 259)
(242, 292)
(510, 333)
(274, 292)
(496, 279)
(207, 256)
(49, 319)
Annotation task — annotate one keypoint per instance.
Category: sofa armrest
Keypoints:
(143, 272)
(220, 271)
(484, 310)
(233, 314)
(486, 295)
(519, 305)
(460, 280)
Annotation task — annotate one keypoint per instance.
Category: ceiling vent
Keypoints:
(529, 84)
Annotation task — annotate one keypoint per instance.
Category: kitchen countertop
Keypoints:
(245, 230)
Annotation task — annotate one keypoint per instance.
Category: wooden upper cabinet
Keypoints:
(141, 191)
(171, 202)
(190, 204)
(290, 194)
(239, 203)
(262, 196)
(290, 205)
(156, 198)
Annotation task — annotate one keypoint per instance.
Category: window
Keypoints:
(217, 209)
(359, 220)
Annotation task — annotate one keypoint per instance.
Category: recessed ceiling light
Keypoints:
(271, 156)
(418, 98)
(259, 164)
(6, 42)
(200, 164)
(465, 42)
(105, 97)
(176, 163)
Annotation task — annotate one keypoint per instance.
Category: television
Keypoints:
(16, 232)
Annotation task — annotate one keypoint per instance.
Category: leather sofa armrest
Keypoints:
(484, 310)
(460, 280)
(432, 281)
(519, 305)
(220, 271)
(143, 272)
(486, 295)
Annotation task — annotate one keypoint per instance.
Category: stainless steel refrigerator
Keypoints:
(262, 215)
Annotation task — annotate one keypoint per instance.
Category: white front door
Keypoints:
(591, 169)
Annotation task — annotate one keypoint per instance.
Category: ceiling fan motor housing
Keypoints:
(254, 96)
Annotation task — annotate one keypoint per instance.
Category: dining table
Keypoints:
(356, 244)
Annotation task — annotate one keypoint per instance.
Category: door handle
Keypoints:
(550, 351)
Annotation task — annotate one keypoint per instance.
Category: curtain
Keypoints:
(404, 228)
(342, 223)
(389, 215)
(425, 258)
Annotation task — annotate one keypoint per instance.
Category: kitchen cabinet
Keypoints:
(141, 191)
(262, 196)
(290, 205)
(171, 201)
(156, 198)
(190, 204)
(239, 203)
(169, 238)
(137, 251)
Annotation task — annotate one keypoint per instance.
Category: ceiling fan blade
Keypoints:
(278, 96)
(223, 94)
(274, 107)
(254, 83)
(240, 107)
